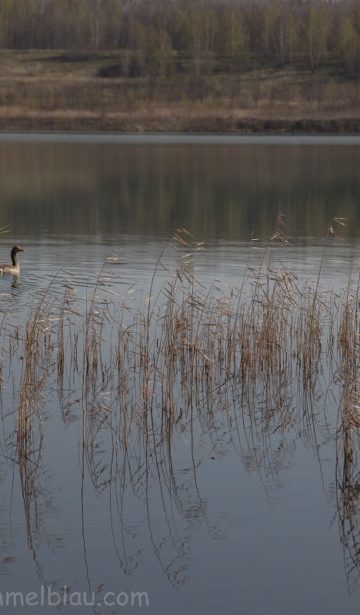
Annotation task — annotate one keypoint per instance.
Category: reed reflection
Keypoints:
(238, 369)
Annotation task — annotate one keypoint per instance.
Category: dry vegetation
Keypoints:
(47, 90)
(184, 348)
(189, 359)
(204, 65)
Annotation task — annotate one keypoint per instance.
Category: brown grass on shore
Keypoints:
(42, 91)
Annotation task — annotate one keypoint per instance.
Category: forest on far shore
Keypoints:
(180, 65)
(165, 37)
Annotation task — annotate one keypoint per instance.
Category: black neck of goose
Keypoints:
(14, 258)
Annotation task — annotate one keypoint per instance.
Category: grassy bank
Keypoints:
(42, 90)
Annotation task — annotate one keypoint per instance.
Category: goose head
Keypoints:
(14, 252)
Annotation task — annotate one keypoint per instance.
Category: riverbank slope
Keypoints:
(82, 91)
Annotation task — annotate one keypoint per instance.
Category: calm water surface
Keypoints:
(247, 521)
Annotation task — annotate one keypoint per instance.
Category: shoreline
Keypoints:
(190, 125)
(178, 138)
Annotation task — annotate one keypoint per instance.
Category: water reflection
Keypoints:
(152, 408)
(157, 430)
(64, 190)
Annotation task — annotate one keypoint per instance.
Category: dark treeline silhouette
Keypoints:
(162, 37)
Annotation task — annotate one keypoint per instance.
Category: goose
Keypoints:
(15, 267)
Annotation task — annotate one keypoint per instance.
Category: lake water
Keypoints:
(247, 513)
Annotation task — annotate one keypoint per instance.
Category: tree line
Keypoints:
(162, 37)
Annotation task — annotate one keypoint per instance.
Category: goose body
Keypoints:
(14, 268)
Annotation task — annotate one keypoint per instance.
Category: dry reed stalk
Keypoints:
(348, 478)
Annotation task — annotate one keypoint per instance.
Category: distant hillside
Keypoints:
(194, 65)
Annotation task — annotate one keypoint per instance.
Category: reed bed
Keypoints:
(253, 362)
(182, 352)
